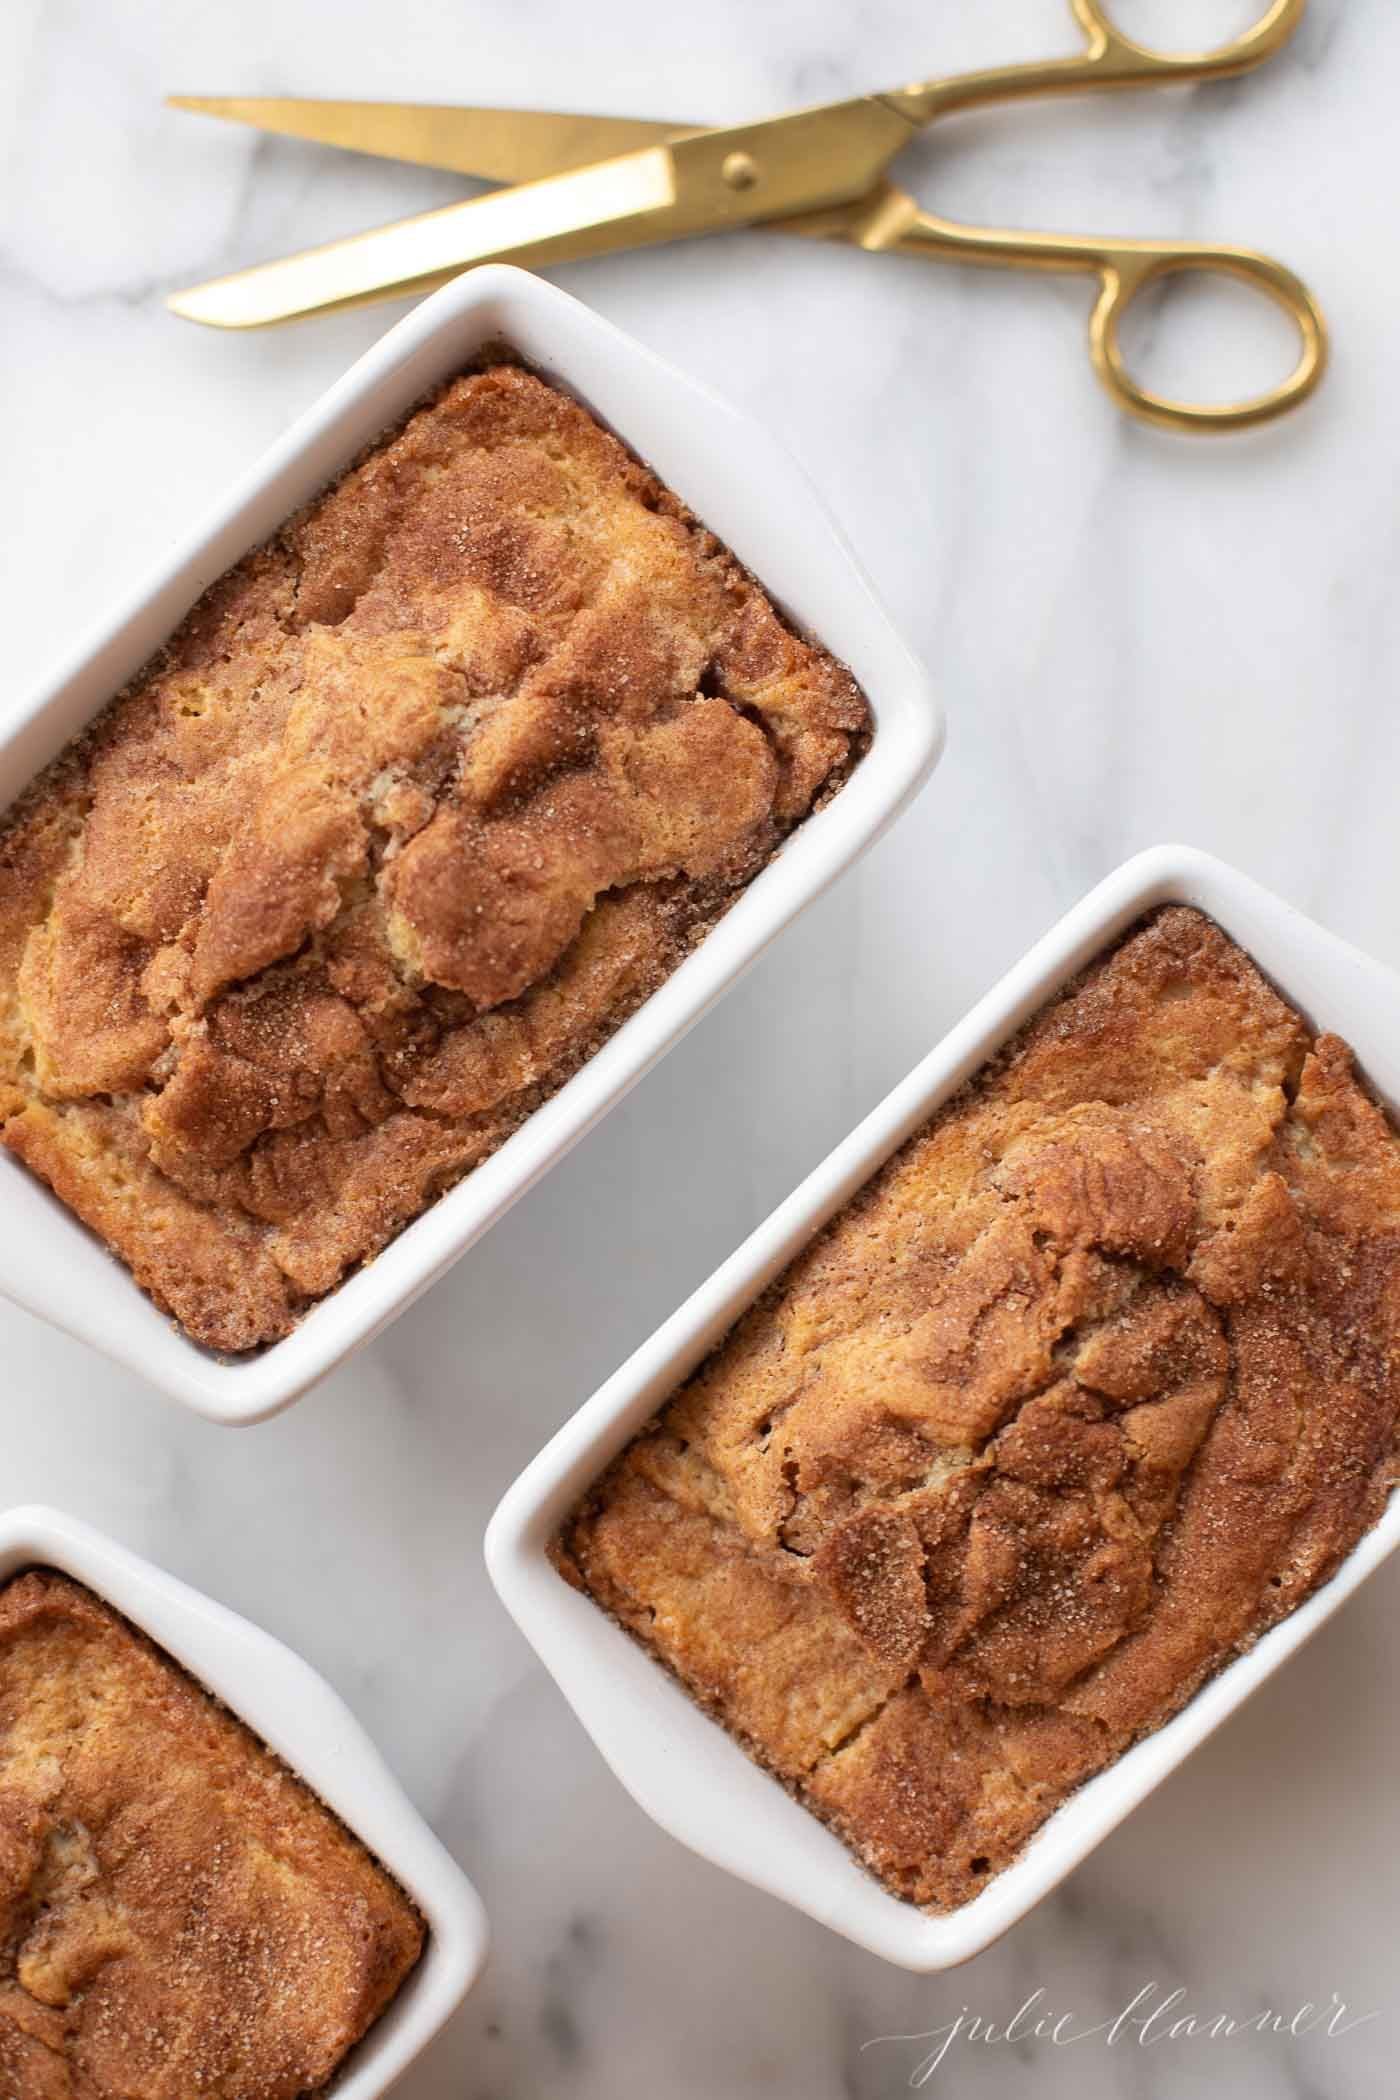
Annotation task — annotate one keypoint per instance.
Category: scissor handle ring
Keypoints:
(1125, 275)
(1251, 47)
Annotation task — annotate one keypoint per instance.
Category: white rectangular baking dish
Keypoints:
(742, 484)
(295, 1713)
(680, 1765)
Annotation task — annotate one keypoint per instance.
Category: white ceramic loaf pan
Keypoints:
(742, 484)
(295, 1713)
(677, 1763)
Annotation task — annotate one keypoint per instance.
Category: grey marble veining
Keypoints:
(1137, 638)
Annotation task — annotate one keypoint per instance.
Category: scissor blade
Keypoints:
(500, 145)
(697, 184)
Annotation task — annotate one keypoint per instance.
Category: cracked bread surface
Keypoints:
(1094, 1381)
(179, 1914)
(419, 803)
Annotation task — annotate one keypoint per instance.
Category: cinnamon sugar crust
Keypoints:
(1097, 1379)
(178, 1914)
(422, 799)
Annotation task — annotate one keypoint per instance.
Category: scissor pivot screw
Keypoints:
(740, 170)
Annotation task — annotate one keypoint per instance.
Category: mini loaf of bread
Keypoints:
(419, 803)
(1095, 1381)
(179, 1916)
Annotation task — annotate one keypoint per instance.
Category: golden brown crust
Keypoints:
(178, 1914)
(1097, 1379)
(419, 803)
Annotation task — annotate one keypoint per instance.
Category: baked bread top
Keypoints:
(179, 1916)
(421, 800)
(1098, 1378)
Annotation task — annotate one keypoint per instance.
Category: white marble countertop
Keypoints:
(1138, 637)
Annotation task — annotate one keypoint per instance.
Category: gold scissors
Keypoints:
(584, 186)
